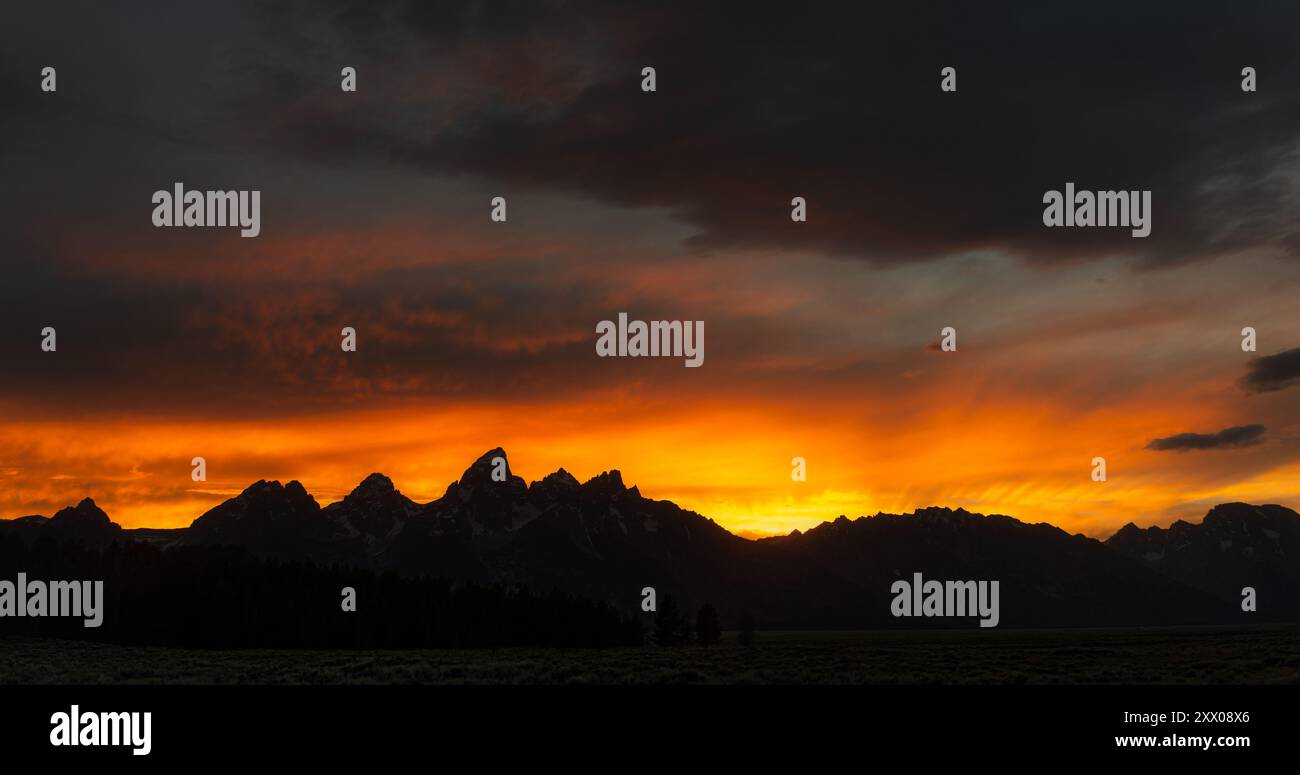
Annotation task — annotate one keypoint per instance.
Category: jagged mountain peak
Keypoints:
(263, 486)
(559, 486)
(1248, 515)
(84, 518)
(928, 515)
(265, 513)
(376, 483)
(373, 510)
(1220, 521)
(1236, 545)
(272, 489)
(485, 462)
(563, 478)
(375, 493)
(607, 483)
(479, 475)
(85, 521)
(85, 511)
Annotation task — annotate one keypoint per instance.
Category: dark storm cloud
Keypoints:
(454, 333)
(1272, 372)
(183, 347)
(1228, 438)
(756, 104)
(841, 104)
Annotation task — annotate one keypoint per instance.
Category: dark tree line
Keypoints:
(206, 597)
(672, 628)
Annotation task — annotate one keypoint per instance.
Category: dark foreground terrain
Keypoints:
(1204, 655)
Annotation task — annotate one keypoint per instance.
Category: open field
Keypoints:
(1210, 655)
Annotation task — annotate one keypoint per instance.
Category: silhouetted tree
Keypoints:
(671, 627)
(708, 630)
(746, 636)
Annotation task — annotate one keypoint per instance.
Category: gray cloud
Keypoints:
(754, 108)
(1272, 372)
(837, 103)
(533, 99)
(1228, 438)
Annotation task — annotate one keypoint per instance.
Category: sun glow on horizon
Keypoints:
(730, 463)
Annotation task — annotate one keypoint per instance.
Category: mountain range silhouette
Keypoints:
(605, 541)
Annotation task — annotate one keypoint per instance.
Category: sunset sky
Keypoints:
(924, 211)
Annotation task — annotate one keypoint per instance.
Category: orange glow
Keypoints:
(1018, 455)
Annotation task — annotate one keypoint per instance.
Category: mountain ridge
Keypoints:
(604, 540)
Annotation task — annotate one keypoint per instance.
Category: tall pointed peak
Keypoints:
(491, 453)
(482, 467)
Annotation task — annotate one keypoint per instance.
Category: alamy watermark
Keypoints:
(54, 598)
(95, 729)
(657, 338)
(1129, 209)
(209, 208)
(946, 598)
